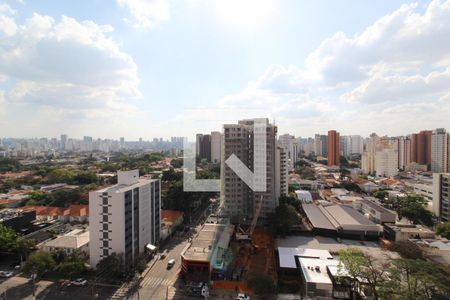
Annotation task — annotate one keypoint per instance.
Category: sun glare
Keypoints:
(244, 14)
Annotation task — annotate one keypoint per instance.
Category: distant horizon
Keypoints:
(148, 68)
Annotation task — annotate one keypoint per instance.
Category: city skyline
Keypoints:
(373, 68)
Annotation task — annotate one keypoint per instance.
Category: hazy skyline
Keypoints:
(147, 68)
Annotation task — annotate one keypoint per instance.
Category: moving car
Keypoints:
(242, 296)
(170, 263)
(79, 282)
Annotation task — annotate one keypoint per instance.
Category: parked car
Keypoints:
(6, 274)
(79, 282)
(170, 263)
(242, 296)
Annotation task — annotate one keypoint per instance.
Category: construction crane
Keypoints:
(241, 234)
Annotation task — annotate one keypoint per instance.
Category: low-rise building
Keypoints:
(17, 219)
(404, 232)
(170, 220)
(436, 250)
(370, 208)
(76, 240)
(304, 196)
(318, 269)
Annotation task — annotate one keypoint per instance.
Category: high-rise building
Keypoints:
(239, 200)
(386, 162)
(421, 147)
(439, 150)
(216, 146)
(368, 156)
(324, 145)
(281, 167)
(291, 146)
(64, 141)
(404, 152)
(204, 146)
(124, 218)
(317, 145)
(333, 148)
(441, 196)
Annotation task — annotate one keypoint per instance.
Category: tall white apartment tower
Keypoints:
(290, 144)
(216, 146)
(124, 218)
(238, 200)
(439, 150)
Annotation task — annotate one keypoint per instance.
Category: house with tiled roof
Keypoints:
(170, 220)
(74, 213)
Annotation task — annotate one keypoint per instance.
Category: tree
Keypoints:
(171, 175)
(284, 218)
(380, 194)
(413, 207)
(443, 229)
(360, 265)
(39, 263)
(72, 266)
(61, 175)
(111, 267)
(176, 163)
(415, 279)
(8, 239)
(262, 284)
(407, 249)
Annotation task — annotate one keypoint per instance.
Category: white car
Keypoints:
(6, 274)
(79, 282)
(170, 263)
(242, 296)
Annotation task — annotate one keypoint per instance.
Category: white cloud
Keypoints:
(7, 25)
(65, 73)
(146, 13)
(400, 88)
(400, 64)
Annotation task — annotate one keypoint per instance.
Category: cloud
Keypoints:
(66, 64)
(400, 65)
(57, 74)
(7, 25)
(399, 88)
(146, 13)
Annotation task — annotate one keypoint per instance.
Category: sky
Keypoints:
(162, 68)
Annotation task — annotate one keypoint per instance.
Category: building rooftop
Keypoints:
(409, 228)
(120, 188)
(210, 236)
(338, 217)
(288, 256)
(170, 215)
(315, 270)
(75, 239)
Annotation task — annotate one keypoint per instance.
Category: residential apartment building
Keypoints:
(238, 200)
(291, 146)
(333, 148)
(282, 170)
(386, 162)
(439, 150)
(203, 146)
(421, 147)
(441, 196)
(404, 152)
(124, 218)
(216, 146)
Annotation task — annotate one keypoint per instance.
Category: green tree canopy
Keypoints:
(443, 229)
(39, 263)
(72, 266)
(413, 207)
(8, 239)
(111, 268)
(284, 218)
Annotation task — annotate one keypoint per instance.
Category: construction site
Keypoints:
(226, 255)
